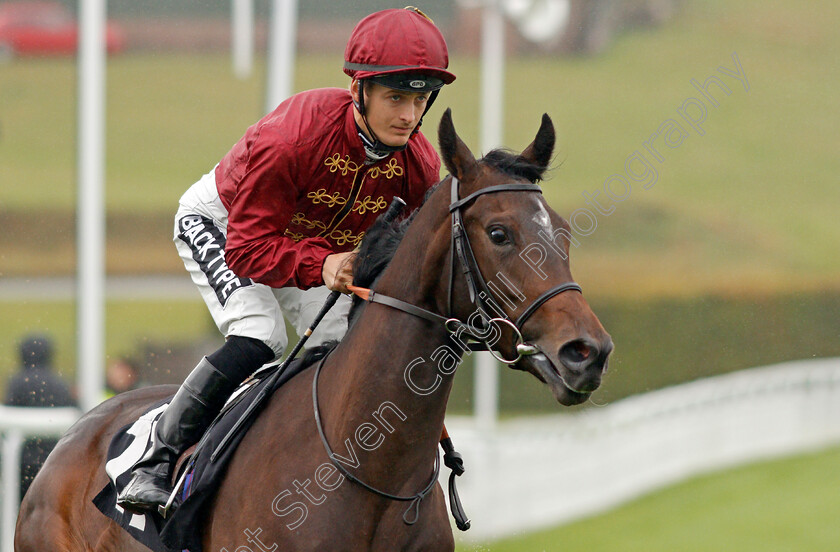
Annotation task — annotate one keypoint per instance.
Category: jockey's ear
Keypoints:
(539, 151)
(457, 157)
(354, 93)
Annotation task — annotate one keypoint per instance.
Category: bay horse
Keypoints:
(484, 255)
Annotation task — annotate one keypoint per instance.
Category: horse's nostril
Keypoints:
(576, 351)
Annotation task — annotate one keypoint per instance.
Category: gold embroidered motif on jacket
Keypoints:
(368, 204)
(341, 237)
(390, 170)
(301, 220)
(331, 200)
(362, 206)
(336, 163)
(294, 235)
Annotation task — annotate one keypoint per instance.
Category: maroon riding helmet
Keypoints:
(401, 49)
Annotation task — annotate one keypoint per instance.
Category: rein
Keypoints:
(415, 499)
(478, 289)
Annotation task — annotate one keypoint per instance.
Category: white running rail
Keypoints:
(17, 423)
(531, 473)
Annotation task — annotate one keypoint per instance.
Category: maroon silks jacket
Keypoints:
(297, 189)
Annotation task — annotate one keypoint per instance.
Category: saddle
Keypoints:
(199, 470)
(195, 477)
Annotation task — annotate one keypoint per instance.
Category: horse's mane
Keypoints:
(378, 248)
(382, 239)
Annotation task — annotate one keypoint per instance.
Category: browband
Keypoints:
(491, 189)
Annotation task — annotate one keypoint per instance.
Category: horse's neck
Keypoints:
(386, 372)
(392, 361)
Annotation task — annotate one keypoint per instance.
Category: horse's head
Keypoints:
(520, 247)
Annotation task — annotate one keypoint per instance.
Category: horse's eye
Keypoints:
(498, 235)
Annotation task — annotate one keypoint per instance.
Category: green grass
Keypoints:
(719, 266)
(786, 505)
(748, 206)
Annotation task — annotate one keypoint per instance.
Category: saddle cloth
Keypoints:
(202, 478)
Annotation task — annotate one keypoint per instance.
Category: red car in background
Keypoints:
(45, 28)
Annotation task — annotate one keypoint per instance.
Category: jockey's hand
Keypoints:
(337, 271)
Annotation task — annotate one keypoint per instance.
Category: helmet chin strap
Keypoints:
(375, 149)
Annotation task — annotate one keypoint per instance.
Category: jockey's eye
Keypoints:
(498, 235)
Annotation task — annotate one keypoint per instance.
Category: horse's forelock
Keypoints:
(510, 163)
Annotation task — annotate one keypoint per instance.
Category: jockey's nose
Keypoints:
(407, 114)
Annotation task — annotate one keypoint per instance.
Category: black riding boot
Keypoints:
(181, 425)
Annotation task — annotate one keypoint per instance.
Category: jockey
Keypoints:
(270, 231)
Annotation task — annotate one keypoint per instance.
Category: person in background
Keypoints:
(36, 385)
(121, 375)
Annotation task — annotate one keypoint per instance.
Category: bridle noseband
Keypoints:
(480, 294)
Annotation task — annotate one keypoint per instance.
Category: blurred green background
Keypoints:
(729, 261)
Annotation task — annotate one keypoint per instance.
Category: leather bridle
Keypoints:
(480, 294)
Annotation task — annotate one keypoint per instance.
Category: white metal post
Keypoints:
(12, 445)
(492, 75)
(486, 393)
(281, 52)
(90, 308)
(242, 37)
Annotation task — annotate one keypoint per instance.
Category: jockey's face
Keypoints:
(391, 114)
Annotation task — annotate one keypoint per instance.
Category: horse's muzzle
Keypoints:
(574, 371)
(585, 361)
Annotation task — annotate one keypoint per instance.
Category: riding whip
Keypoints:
(393, 211)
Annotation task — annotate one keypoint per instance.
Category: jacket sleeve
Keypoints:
(258, 216)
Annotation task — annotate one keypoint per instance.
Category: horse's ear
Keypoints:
(457, 157)
(539, 151)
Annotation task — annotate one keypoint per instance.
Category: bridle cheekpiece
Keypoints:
(480, 294)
